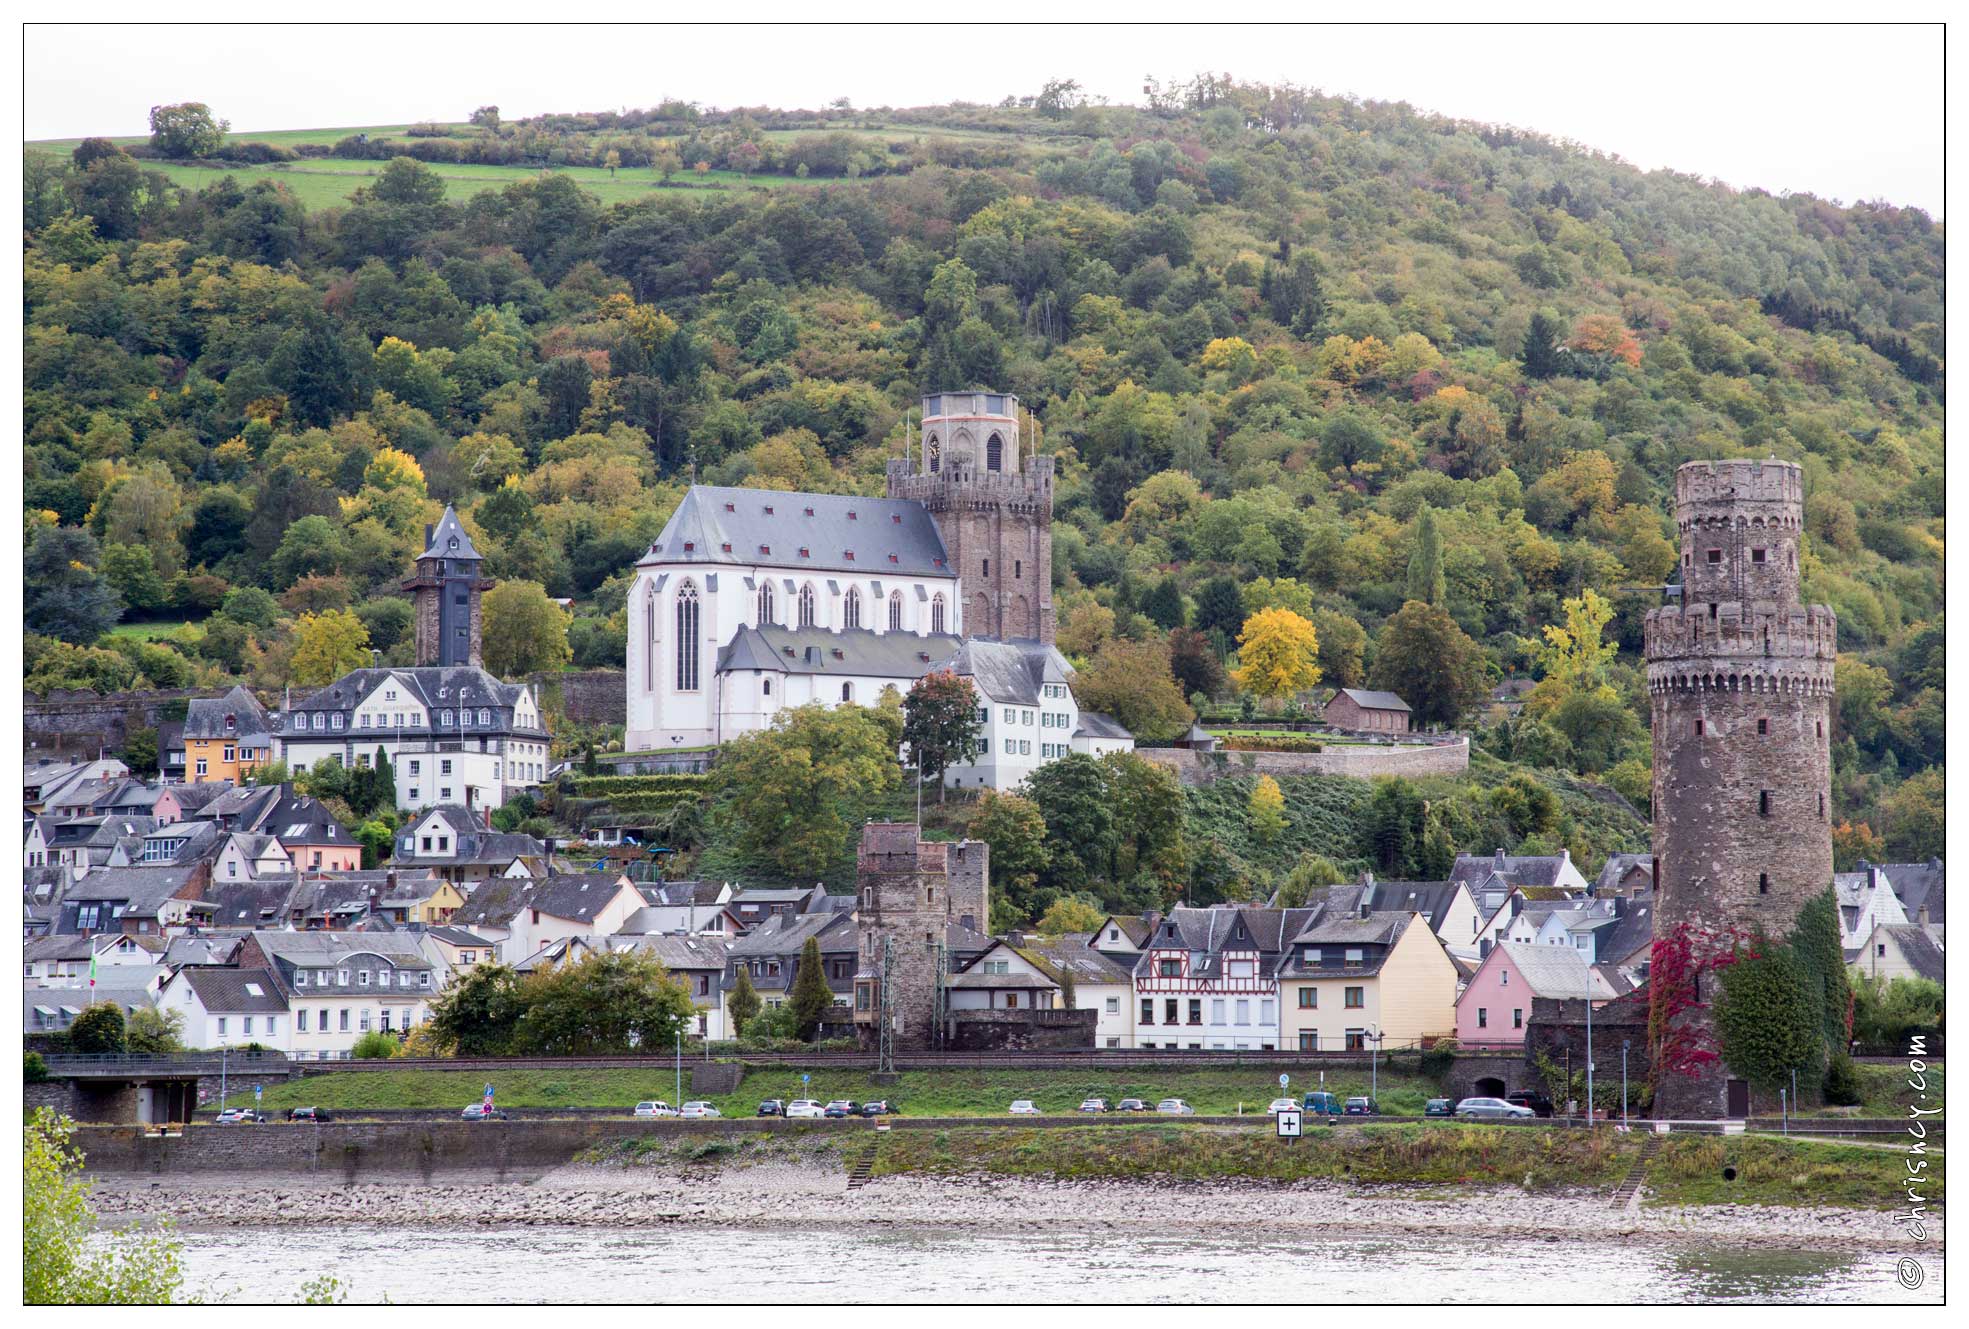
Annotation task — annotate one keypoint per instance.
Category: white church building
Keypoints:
(752, 600)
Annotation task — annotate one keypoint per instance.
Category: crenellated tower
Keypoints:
(446, 590)
(993, 506)
(1740, 676)
(911, 892)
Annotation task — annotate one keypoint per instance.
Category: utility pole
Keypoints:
(1589, 1045)
(222, 1079)
(680, 1067)
(1623, 1081)
(885, 1049)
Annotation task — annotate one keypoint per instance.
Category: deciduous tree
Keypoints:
(1278, 654)
(792, 798)
(940, 725)
(1430, 663)
(327, 646)
(525, 631)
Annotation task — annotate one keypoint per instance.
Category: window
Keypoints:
(1196, 1010)
(1169, 968)
(1309, 999)
(301, 1020)
(365, 1020)
(1517, 1017)
(362, 978)
(1763, 802)
(1698, 729)
(895, 611)
(1483, 1018)
(485, 718)
(1244, 1011)
(1763, 725)
(1756, 556)
(994, 453)
(1763, 883)
(1504, 978)
(222, 1026)
(936, 612)
(847, 692)
(1309, 1040)
(1113, 1006)
(688, 646)
(987, 567)
(1148, 1010)
(1356, 998)
(415, 766)
(1217, 1010)
(1357, 1040)
(765, 687)
(1715, 556)
(851, 611)
(444, 766)
(807, 605)
(765, 602)
(1169, 1015)
(229, 754)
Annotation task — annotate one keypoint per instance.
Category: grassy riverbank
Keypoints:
(932, 1093)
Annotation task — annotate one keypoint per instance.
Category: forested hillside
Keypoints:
(1289, 350)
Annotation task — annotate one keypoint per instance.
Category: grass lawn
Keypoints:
(1885, 1092)
(1775, 1171)
(931, 1093)
(287, 138)
(158, 630)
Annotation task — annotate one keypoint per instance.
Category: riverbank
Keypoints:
(804, 1184)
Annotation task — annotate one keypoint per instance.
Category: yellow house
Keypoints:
(1350, 982)
(226, 738)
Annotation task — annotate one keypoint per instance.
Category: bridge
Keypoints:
(150, 1088)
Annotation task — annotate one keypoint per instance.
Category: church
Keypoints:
(752, 600)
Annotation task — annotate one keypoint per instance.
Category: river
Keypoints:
(922, 1264)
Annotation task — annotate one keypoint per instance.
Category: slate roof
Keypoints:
(660, 919)
(1073, 953)
(1431, 899)
(1632, 934)
(192, 797)
(448, 539)
(1920, 950)
(1518, 869)
(1374, 701)
(576, 896)
(241, 809)
(456, 936)
(682, 892)
(1554, 971)
(782, 937)
(472, 842)
(972, 979)
(1374, 937)
(1919, 884)
(754, 521)
(853, 651)
(1137, 929)
(1618, 866)
(436, 687)
(297, 819)
(1009, 671)
(1207, 933)
(229, 989)
(678, 954)
(205, 717)
(1095, 725)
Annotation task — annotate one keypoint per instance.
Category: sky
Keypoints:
(1846, 112)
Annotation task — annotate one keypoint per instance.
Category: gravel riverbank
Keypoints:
(815, 1193)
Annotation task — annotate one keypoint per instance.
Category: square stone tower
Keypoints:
(1740, 676)
(446, 593)
(910, 893)
(992, 505)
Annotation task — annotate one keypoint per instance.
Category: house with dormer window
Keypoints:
(1207, 979)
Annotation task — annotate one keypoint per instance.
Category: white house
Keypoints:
(1866, 901)
(342, 985)
(229, 1008)
(523, 915)
(1100, 983)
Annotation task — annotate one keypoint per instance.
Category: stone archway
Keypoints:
(1489, 1086)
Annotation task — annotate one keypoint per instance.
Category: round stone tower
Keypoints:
(1740, 674)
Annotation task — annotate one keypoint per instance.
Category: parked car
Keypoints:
(841, 1107)
(238, 1117)
(1439, 1107)
(698, 1110)
(1490, 1107)
(772, 1107)
(1175, 1107)
(1322, 1103)
(1093, 1105)
(880, 1107)
(480, 1112)
(1361, 1107)
(1278, 1105)
(1540, 1105)
(1024, 1108)
(310, 1114)
(1131, 1105)
(655, 1107)
(803, 1107)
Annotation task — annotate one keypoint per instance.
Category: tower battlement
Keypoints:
(1739, 481)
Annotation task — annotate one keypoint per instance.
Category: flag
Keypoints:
(92, 972)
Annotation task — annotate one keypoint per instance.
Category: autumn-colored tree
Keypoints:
(525, 632)
(1131, 682)
(1069, 913)
(1607, 336)
(940, 725)
(1574, 657)
(793, 797)
(1267, 809)
(1278, 654)
(327, 646)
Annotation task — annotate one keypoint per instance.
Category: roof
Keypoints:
(236, 989)
(714, 525)
(456, 936)
(1134, 927)
(1518, 869)
(448, 539)
(1010, 671)
(1374, 701)
(1632, 933)
(1918, 949)
(1920, 885)
(1618, 866)
(1374, 937)
(1095, 725)
(971, 978)
(1553, 971)
(858, 652)
(435, 686)
(677, 953)
(577, 896)
(205, 717)
(1073, 954)
(1431, 899)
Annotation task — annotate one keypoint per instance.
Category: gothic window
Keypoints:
(649, 655)
(807, 605)
(847, 692)
(995, 453)
(895, 611)
(933, 454)
(687, 645)
(765, 603)
(851, 611)
(936, 613)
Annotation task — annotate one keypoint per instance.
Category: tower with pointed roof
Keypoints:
(446, 593)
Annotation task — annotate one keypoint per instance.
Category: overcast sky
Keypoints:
(1844, 112)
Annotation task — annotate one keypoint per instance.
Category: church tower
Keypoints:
(1740, 676)
(446, 590)
(993, 506)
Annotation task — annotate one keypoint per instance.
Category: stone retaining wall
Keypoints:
(1194, 767)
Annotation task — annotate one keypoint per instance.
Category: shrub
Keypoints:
(98, 1029)
(37, 1069)
(376, 1046)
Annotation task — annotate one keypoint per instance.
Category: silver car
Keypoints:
(1175, 1107)
(698, 1110)
(1491, 1107)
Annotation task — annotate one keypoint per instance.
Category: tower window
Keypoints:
(1763, 802)
(987, 567)
(995, 453)
(1763, 883)
(1715, 556)
(1763, 726)
(1821, 728)
(1018, 569)
(1698, 729)
(1821, 807)
(1756, 556)
(1687, 558)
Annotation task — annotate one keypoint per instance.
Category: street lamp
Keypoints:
(1623, 1082)
(1374, 1070)
(1589, 1045)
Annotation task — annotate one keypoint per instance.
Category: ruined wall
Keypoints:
(1364, 763)
(1022, 1030)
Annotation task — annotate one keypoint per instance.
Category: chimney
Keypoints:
(1367, 878)
(373, 897)
(1483, 948)
(1921, 916)
(549, 842)
(429, 531)
(1500, 860)
(1015, 938)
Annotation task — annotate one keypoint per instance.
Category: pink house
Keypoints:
(1495, 1004)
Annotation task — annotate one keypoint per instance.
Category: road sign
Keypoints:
(1288, 1124)
(1284, 1082)
(804, 1077)
(256, 1093)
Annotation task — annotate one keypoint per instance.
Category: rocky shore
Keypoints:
(815, 1193)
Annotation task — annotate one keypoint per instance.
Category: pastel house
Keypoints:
(1495, 1005)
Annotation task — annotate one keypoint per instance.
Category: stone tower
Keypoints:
(1740, 675)
(993, 506)
(446, 590)
(910, 893)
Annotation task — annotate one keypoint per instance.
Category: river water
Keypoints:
(846, 1265)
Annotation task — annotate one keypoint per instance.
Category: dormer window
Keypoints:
(848, 555)
(896, 517)
(726, 546)
(894, 559)
(765, 549)
(730, 508)
(769, 509)
(810, 512)
(804, 553)
(689, 545)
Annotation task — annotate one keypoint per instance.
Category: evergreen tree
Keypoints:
(1220, 606)
(743, 1003)
(1543, 357)
(383, 791)
(1425, 564)
(810, 998)
(1164, 604)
